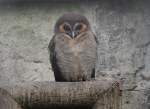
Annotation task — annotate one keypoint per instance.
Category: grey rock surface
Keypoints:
(121, 26)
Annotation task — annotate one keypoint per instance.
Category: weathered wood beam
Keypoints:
(7, 102)
(90, 94)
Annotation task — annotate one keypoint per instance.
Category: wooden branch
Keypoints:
(96, 94)
(7, 102)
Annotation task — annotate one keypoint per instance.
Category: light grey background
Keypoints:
(122, 28)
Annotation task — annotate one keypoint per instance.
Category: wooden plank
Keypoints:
(97, 94)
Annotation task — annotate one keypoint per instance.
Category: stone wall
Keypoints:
(121, 26)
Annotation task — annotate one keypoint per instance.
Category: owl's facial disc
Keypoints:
(73, 31)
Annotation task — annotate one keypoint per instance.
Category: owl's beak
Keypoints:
(73, 34)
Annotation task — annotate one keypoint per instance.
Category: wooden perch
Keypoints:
(100, 94)
(7, 102)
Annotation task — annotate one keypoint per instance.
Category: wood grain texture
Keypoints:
(68, 95)
(7, 102)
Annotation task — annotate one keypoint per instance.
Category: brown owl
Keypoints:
(73, 49)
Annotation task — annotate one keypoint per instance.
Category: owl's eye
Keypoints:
(78, 27)
(67, 27)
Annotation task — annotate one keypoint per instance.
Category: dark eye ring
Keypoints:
(79, 27)
(66, 27)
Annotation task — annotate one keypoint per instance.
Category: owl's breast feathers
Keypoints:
(75, 46)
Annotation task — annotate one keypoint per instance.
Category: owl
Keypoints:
(73, 49)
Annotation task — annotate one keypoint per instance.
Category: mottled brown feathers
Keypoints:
(73, 49)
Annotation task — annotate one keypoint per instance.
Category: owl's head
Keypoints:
(72, 24)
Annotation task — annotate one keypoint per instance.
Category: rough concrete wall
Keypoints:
(122, 28)
(124, 38)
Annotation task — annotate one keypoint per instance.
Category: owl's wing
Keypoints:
(53, 60)
(52, 57)
(96, 40)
